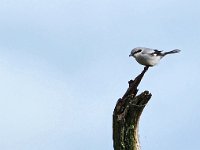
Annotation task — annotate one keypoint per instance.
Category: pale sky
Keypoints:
(64, 64)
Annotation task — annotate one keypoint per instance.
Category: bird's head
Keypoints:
(135, 51)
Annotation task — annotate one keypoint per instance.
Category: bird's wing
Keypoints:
(157, 52)
(152, 52)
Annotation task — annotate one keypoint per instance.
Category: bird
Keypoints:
(149, 57)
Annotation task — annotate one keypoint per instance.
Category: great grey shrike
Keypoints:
(149, 57)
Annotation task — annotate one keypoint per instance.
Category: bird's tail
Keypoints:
(172, 52)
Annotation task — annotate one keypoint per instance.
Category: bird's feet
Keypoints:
(146, 68)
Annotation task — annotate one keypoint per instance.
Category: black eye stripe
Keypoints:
(139, 50)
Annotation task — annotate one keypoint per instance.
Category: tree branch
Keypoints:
(126, 116)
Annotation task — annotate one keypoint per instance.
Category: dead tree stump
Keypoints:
(126, 116)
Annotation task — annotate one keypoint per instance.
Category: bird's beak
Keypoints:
(130, 55)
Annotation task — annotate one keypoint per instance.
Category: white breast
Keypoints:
(147, 59)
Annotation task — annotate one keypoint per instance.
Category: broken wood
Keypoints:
(126, 116)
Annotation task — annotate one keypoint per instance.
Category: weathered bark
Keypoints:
(126, 116)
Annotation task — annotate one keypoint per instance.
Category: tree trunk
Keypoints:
(126, 116)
